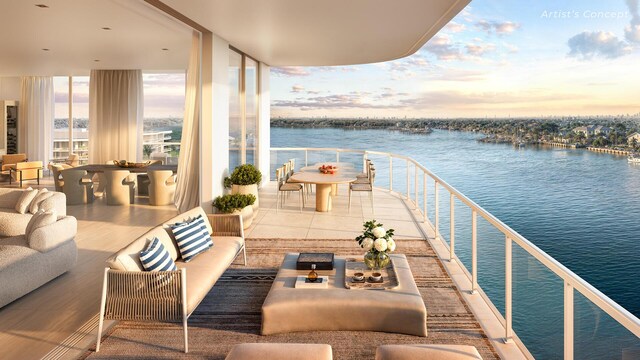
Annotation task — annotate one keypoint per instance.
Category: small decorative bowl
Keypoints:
(376, 276)
(358, 276)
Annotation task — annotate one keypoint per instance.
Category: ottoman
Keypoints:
(268, 351)
(427, 351)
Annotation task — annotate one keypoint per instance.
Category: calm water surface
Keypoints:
(580, 207)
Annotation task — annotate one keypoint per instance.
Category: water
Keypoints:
(578, 206)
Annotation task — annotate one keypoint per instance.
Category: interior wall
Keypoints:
(10, 88)
(214, 141)
(264, 124)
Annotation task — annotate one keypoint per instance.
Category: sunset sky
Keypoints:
(496, 58)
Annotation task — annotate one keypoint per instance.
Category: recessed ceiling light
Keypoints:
(106, 28)
(165, 49)
(42, 6)
(96, 60)
(45, 49)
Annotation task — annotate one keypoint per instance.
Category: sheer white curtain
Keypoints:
(188, 182)
(36, 117)
(115, 115)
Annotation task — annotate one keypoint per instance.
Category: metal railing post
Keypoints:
(424, 196)
(390, 173)
(337, 155)
(474, 251)
(306, 157)
(435, 194)
(415, 185)
(508, 315)
(408, 185)
(568, 321)
(452, 228)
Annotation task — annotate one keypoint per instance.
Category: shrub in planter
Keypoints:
(244, 180)
(236, 203)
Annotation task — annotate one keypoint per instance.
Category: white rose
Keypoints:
(379, 232)
(367, 244)
(380, 244)
(391, 245)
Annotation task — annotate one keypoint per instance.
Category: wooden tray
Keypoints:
(352, 265)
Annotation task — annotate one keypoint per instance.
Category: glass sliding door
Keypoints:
(251, 110)
(80, 123)
(235, 109)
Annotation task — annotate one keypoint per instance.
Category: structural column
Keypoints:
(264, 123)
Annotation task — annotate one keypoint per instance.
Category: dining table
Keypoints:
(326, 184)
(101, 168)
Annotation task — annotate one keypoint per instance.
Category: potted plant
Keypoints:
(244, 180)
(378, 243)
(236, 204)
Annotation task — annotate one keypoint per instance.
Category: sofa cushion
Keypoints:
(9, 197)
(427, 351)
(13, 223)
(192, 238)
(40, 219)
(49, 237)
(204, 271)
(156, 258)
(42, 195)
(128, 258)
(284, 351)
(27, 196)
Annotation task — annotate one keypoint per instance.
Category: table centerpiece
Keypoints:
(378, 243)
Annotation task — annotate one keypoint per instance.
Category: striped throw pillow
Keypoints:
(156, 258)
(192, 237)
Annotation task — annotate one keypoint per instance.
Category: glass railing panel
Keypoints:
(315, 157)
(431, 200)
(491, 262)
(279, 157)
(400, 176)
(443, 206)
(463, 233)
(538, 300)
(353, 158)
(381, 164)
(598, 336)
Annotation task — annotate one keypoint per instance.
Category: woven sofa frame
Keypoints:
(161, 295)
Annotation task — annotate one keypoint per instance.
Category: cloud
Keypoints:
(454, 27)
(297, 88)
(479, 49)
(500, 28)
(443, 48)
(290, 71)
(632, 33)
(590, 44)
(512, 49)
(452, 74)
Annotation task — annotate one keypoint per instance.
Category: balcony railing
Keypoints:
(564, 301)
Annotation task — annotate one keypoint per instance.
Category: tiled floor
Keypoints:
(339, 223)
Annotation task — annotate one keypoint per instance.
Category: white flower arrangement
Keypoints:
(376, 239)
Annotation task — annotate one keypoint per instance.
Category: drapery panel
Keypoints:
(188, 181)
(115, 115)
(36, 117)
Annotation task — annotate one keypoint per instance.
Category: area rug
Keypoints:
(230, 313)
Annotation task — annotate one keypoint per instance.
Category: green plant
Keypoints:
(227, 204)
(246, 174)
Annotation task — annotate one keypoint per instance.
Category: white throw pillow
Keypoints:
(25, 200)
(40, 219)
(43, 194)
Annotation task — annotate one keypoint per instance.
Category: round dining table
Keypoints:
(324, 183)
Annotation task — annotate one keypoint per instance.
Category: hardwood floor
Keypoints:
(33, 325)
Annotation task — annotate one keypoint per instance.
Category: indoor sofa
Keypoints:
(130, 292)
(13, 223)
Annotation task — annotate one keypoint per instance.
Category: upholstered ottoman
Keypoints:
(287, 309)
(424, 351)
(266, 351)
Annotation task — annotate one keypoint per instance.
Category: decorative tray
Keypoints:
(352, 266)
(129, 165)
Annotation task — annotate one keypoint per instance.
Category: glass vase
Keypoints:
(375, 260)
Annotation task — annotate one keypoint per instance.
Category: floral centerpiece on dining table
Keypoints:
(378, 243)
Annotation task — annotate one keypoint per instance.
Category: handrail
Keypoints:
(571, 280)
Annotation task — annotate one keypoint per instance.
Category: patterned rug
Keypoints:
(230, 313)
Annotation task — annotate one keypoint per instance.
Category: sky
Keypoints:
(496, 58)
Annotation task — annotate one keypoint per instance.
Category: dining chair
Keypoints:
(162, 187)
(286, 188)
(143, 180)
(58, 181)
(364, 187)
(365, 173)
(77, 187)
(120, 190)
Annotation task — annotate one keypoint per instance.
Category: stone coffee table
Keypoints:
(398, 310)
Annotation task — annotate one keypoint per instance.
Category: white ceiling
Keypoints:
(322, 32)
(71, 29)
(277, 32)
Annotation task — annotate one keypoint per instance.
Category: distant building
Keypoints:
(584, 130)
(601, 130)
(634, 136)
(592, 130)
